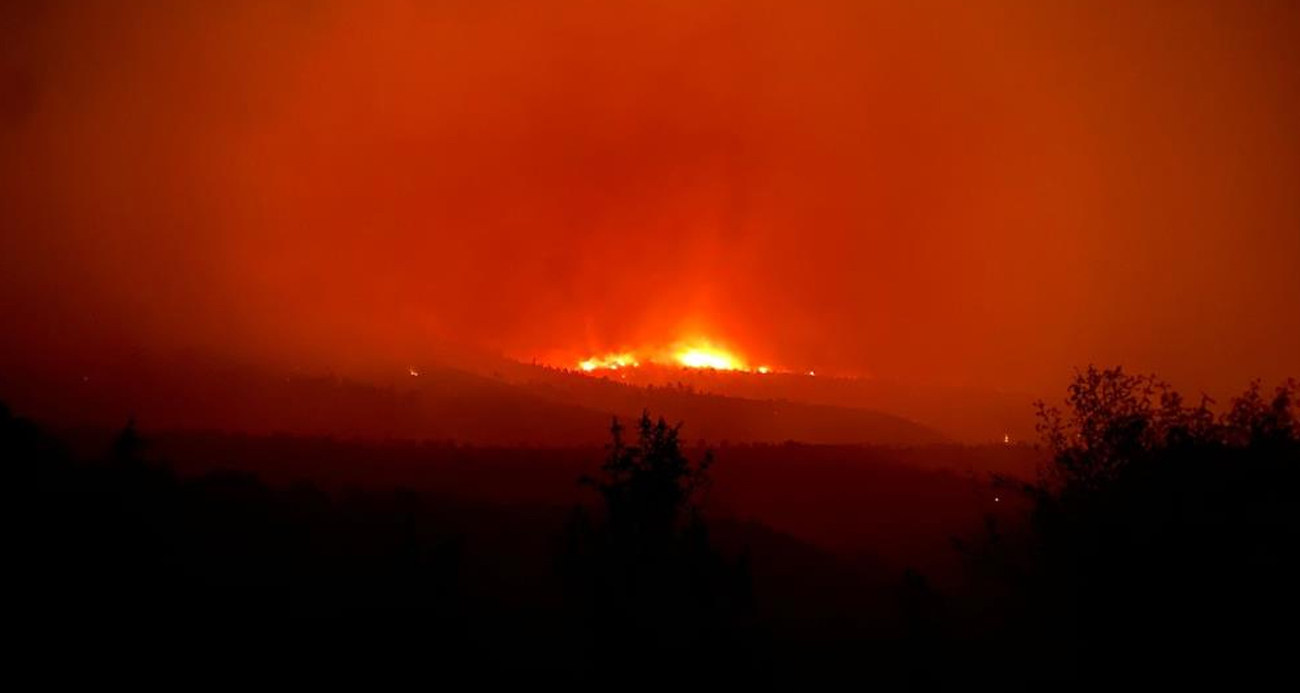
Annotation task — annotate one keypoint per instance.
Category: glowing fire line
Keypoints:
(693, 355)
(707, 358)
(610, 362)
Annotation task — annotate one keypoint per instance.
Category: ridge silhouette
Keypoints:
(1159, 544)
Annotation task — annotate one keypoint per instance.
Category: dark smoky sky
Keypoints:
(985, 193)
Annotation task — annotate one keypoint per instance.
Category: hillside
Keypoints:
(440, 403)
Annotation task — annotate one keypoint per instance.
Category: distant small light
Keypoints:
(997, 499)
(812, 373)
(764, 370)
(414, 373)
(1006, 439)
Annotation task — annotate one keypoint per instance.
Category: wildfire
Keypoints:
(706, 357)
(694, 354)
(610, 362)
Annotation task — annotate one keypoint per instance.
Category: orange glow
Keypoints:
(701, 354)
(363, 184)
(611, 362)
(707, 357)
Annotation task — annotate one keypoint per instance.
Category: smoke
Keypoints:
(971, 194)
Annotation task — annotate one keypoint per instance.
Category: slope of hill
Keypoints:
(440, 403)
(900, 505)
(969, 415)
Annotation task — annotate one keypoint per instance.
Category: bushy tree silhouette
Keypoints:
(650, 489)
(128, 445)
(642, 572)
(1163, 536)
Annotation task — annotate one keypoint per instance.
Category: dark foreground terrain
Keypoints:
(1156, 543)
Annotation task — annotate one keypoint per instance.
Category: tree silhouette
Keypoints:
(650, 489)
(1160, 532)
(128, 444)
(642, 573)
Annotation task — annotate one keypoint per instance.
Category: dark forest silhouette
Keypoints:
(1162, 541)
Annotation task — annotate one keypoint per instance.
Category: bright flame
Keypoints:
(708, 357)
(611, 362)
(687, 354)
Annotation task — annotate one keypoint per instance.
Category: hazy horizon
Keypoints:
(989, 200)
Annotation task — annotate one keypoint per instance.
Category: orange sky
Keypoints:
(961, 192)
